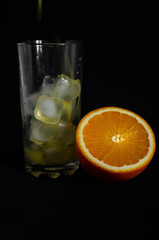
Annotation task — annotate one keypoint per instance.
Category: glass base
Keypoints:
(52, 171)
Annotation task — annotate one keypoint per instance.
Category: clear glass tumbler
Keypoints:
(50, 94)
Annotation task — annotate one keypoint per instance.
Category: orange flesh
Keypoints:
(118, 140)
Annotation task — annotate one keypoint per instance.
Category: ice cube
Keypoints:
(68, 110)
(47, 89)
(65, 133)
(48, 109)
(48, 80)
(66, 88)
(41, 132)
(47, 85)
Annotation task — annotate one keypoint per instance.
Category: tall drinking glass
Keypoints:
(50, 92)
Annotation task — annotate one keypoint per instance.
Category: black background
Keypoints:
(120, 69)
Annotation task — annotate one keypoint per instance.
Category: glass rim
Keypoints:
(48, 42)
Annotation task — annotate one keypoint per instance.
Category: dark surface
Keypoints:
(120, 69)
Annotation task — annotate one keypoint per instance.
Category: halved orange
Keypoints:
(114, 144)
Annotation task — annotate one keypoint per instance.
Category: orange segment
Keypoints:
(112, 138)
(114, 141)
